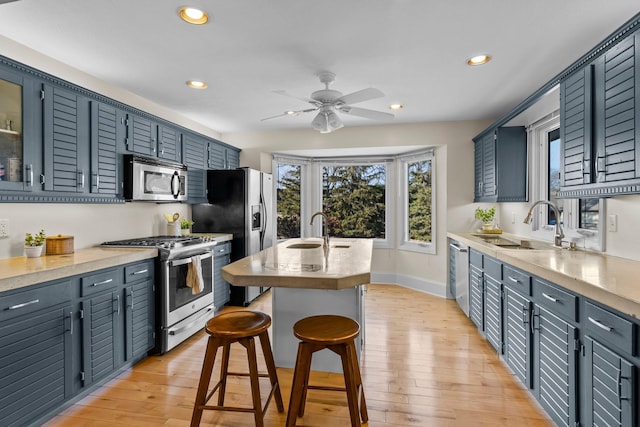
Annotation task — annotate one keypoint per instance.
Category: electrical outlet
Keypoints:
(4, 228)
(612, 223)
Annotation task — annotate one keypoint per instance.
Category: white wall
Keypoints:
(454, 183)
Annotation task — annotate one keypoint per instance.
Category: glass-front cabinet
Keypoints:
(16, 165)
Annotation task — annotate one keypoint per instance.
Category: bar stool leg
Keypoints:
(271, 369)
(349, 382)
(351, 347)
(297, 386)
(224, 368)
(249, 344)
(306, 371)
(205, 378)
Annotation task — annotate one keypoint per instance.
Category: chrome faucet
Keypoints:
(559, 234)
(325, 235)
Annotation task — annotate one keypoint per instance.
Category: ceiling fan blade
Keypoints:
(289, 113)
(285, 93)
(366, 113)
(360, 96)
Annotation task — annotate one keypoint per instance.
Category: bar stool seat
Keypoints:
(225, 329)
(338, 334)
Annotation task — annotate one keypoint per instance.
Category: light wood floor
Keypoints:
(424, 364)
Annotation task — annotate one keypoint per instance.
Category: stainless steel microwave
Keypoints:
(154, 180)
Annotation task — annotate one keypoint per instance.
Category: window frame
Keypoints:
(403, 242)
(304, 189)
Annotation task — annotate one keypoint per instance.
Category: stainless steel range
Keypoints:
(179, 312)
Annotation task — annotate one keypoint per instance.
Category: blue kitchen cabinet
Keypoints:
(492, 272)
(19, 141)
(518, 345)
(65, 123)
(107, 128)
(195, 154)
(222, 156)
(476, 289)
(233, 158)
(139, 310)
(500, 158)
(600, 124)
(169, 140)
(36, 329)
(221, 288)
(142, 135)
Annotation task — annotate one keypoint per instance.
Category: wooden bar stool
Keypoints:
(338, 334)
(224, 330)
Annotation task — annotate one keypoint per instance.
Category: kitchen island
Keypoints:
(308, 280)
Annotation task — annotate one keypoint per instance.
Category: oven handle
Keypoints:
(183, 261)
(190, 325)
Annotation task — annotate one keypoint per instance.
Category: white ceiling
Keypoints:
(414, 51)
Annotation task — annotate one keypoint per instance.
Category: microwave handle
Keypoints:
(175, 185)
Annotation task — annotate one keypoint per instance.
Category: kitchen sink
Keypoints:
(341, 246)
(304, 245)
(514, 244)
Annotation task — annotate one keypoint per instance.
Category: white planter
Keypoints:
(186, 231)
(32, 251)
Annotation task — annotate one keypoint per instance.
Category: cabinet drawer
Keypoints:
(493, 268)
(517, 279)
(560, 302)
(222, 249)
(29, 301)
(99, 282)
(609, 327)
(137, 272)
(475, 258)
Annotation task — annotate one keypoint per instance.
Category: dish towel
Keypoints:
(194, 275)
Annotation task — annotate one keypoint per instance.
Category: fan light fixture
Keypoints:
(479, 59)
(326, 121)
(195, 84)
(193, 15)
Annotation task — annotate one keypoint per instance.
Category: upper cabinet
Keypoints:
(501, 165)
(222, 157)
(600, 124)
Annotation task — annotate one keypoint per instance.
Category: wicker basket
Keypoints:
(59, 245)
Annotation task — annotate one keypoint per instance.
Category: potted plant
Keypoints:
(486, 216)
(33, 244)
(185, 226)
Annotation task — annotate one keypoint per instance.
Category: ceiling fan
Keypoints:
(328, 102)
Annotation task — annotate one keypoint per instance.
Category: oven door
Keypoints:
(179, 302)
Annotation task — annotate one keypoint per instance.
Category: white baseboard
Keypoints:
(418, 284)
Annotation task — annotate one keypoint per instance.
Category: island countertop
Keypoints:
(19, 272)
(301, 263)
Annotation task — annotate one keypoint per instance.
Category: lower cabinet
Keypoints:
(476, 297)
(221, 288)
(517, 335)
(35, 352)
(59, 338)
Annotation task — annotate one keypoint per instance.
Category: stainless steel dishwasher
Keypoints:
(459, 273)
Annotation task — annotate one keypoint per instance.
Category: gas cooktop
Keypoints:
(161, 242)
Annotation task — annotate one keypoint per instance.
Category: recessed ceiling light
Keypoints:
(193, 15)
(479, 59)
(396, 107)
(196, 84)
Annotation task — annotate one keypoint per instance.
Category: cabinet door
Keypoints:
(169, 143)
(233, 159)
(217, 156)
(493, 312)
(65, 128)
(100, 336)
(517, 335)
(105, 125)
(138, 319)
(194, 155)
(476, 297)
(556, 369)
(142, 135)
(221, 288)
(610, 383)
(35, 350)
(511, 164)
(485, 168)
(575, 127)
(17, 131)
(617, 116)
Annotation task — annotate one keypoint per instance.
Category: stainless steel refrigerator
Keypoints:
(240, 202)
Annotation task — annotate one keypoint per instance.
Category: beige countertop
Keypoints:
(21, 271)
(348, 264)
(610, 280)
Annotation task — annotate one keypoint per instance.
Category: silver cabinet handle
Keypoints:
(549, 297)
(97, 181)
(81, 175)
(117, 301)
(104, 282)
(599, 324)
(24, 304)
(71, 323)
(514, 280)
(140, 271)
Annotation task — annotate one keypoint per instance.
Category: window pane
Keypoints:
(419, 200)
(554, 176)
(353, 198)
(288, 199)
(589, 213)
